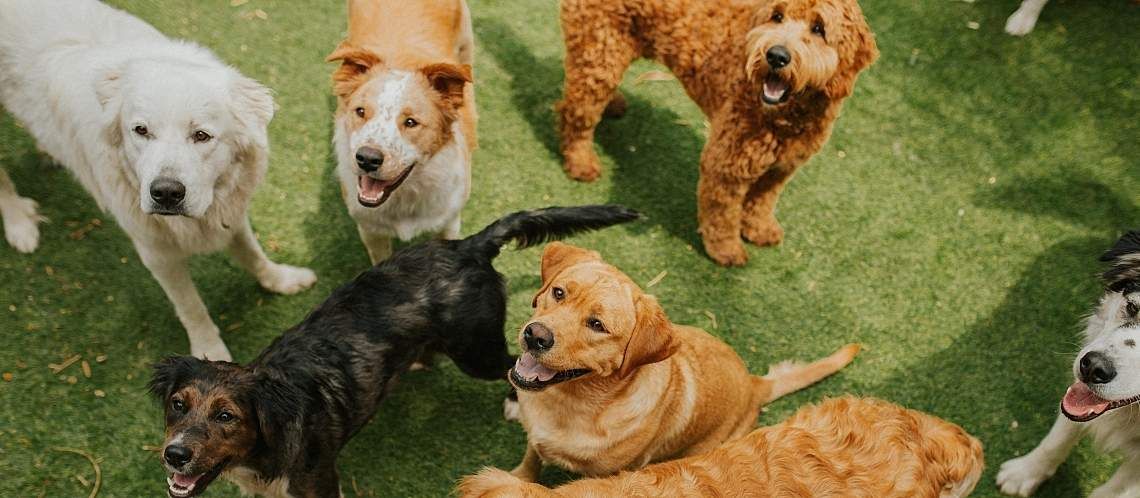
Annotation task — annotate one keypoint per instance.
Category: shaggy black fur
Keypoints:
(1125, 259)
(317, 384)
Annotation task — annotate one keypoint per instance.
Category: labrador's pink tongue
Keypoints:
(528, 368)
(1081, 402)
(185, 481)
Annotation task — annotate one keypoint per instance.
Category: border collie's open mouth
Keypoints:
(775, 90)
(184, 486)
(529, 375)
(375, 192)
(1080, 404)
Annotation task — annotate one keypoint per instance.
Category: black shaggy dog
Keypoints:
(274, 427)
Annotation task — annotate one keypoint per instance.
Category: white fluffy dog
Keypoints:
(1102, 400)
(162, 134)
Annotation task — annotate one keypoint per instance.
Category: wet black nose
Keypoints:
(369, 159)
(1096, 368)
(538, 337)
(778, 57)
(177, 456)
(167, 193)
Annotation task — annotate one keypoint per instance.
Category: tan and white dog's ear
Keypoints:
(448, 80)
(354, 63)
(558, 256)
(652, 339)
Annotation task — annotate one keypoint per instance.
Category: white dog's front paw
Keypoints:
(1021, 476)
(214, 350)
(285, 279)
(1021, 22)
(20, 224)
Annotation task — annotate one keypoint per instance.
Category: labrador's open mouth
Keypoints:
(375, 192)
(1080, 404)
(184, 486)
(528, 374)
(775, 90)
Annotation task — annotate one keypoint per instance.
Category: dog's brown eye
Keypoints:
(141, 130)
(817, 28)
(558, 293)
(225, 417)
(177, 405)
(595, 325)
(777, 17)
(201, 136)
(360, 111)
(410, 123)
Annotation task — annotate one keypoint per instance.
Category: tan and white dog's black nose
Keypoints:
(537, 337)
(369, 159)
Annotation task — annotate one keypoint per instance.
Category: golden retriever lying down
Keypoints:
(842, 447)
(607, 383)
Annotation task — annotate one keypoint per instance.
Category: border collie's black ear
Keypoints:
(280, 411)
(170, 373)
(1125, 260)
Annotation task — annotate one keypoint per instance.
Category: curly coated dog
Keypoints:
(771, 76)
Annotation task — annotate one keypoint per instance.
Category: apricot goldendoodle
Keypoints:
(771, 75)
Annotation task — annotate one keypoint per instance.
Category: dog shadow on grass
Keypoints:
(655, 154)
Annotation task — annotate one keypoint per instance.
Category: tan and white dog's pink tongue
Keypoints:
(371, 189)
(1081, 402)
(528, 368)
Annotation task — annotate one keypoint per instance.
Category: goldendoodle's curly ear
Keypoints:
(857, 51)
(355, 63)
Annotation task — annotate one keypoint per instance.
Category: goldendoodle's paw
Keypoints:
(729, 253)
(213, 350)
(285, 279)
(581, 163)
(1022, 476)
(20, 224)
(770, 234)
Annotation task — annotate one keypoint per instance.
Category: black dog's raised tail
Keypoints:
(528, 228)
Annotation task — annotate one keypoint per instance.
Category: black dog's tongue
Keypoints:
(528, 368)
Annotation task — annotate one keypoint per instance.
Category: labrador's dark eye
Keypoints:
(177, 405)
(558, 293)
(141, 130)
(225, 417)
(817, 28)
(201, 136)
(777, 17)
(596, 325)
(360, 111)
(410, 123)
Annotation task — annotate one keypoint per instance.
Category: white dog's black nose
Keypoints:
(177, 455)
(1096, 368)
(369, 158)
(167, 193)
(778, 57)
(537, 337)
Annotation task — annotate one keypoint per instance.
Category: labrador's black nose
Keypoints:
(177, 456)
(167, 193)
(369, 158)
(1097, 368)
(538, 337)
(778, 57)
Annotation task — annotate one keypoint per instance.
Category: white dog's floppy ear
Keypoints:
(108, 90)
(252, 102)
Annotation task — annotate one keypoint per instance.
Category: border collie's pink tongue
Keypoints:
(528, 368)
(371, 189)
(1081, 403)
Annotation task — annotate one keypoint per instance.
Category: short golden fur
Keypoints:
(646, 389)
(845, 447)
(717, 49)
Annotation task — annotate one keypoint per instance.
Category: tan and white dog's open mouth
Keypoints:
(374, 192)
(1081, 404)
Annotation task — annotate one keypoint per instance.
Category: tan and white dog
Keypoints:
(165, 137)
(405, 119)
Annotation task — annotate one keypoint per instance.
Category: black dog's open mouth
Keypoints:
(184, 486)
(375, 192)
(529, 375)
(1080, 404)
(775, 90)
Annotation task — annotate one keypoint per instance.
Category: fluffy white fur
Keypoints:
(1113, 331)
(120, 105)
(1022, 20)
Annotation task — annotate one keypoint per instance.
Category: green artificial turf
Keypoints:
(951, 225)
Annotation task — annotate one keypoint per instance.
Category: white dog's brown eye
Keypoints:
(177, 405)
(360, 111)
(141, 130)
(595, 325)
(410, 123)
(817, 28)
(558, 293)
(225, 417)
(777, 17)
(201, 136)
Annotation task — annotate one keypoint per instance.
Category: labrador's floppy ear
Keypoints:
(171, 373)
(652, 338)
(558, 256)
(355, 62)
(448, 80)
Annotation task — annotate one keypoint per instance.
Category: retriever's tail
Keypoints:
(528, 228)
(789, 376)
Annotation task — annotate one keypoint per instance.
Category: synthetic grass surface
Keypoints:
(951, 225)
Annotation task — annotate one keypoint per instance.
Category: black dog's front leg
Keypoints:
(320, 483)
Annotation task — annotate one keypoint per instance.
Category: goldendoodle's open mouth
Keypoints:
(374, 192)
(1080, 404)
(528, 374)
(775, 90)
(185, 486)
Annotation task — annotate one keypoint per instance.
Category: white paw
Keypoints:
(1021, 476)
(285, 279)
(214, 350)
(511, 409)
(417, 366)
(20, 220)
(1021, 22)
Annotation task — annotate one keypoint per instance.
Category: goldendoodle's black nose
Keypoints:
(778, 57)
(369, 158)
(167, 193)
(1096, 368)
(538, 337)
(177, 456)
